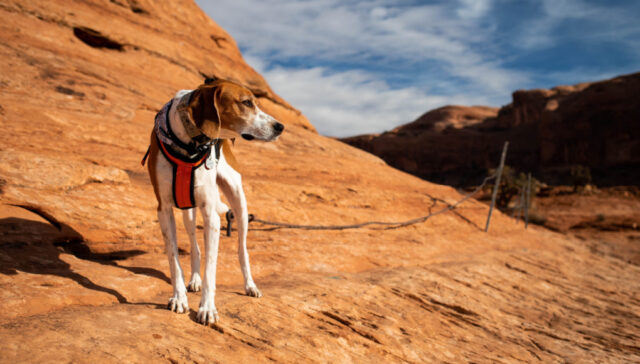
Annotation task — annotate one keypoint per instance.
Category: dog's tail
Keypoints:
(144, 159)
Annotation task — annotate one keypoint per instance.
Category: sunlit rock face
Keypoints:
(84, 276)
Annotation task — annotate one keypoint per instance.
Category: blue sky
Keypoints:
(355, 67)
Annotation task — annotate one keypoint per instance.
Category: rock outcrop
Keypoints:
(83, 272)
(594, 125)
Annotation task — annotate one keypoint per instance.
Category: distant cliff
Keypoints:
(596, 125)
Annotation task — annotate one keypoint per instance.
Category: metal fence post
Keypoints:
(527, 202)
(495, 188)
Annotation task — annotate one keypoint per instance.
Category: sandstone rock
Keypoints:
(444, 145)
(82, 266)
(455, 117)
(39, 171)
(590, 124)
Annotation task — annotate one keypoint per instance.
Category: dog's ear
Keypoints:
(203, 110)
(228, 154)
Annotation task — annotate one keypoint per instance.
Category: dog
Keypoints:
(187, 164)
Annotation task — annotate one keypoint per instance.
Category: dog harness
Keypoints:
(184, 165)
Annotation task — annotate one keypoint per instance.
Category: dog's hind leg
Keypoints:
(189, 218)
(178, 302)
(230, 182)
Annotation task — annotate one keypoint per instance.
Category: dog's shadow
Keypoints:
(34, 247)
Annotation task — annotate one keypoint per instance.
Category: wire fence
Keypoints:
(522, 208)
(385, 224)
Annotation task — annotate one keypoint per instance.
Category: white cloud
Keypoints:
(351, 102)
(474, 9)
(600, 23)
(331, 58)
(540, 31)
(344, 31)
(566, 9)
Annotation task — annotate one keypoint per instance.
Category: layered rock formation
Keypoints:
(82, 266)
(594, 125)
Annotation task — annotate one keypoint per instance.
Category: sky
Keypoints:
(358, 67)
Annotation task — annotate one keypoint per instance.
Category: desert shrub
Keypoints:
(580, 177)
(537, 218)
(511, 183)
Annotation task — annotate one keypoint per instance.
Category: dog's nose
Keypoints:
(278, 127)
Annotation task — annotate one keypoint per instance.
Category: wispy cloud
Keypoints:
(364, 66)
(588, 21)
(352, 102)
(359, 33)
(474, 9)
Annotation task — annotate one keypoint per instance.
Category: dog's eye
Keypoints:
(247, 103)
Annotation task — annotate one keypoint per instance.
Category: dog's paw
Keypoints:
(208, 315)
(253, 291)
(195, 284)
(179, 304)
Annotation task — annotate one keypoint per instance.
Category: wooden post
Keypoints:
(527, 202)
(495, 188)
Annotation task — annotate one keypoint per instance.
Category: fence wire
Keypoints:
(385, 224)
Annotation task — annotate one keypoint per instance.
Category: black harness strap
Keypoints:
(198, 144)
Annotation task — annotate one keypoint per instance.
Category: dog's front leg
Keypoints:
(178, 302)
(189, 218)
(207, 313)
(230, 183)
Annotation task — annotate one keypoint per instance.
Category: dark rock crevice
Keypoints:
(95, 39)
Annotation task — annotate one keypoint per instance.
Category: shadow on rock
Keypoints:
(35, 247)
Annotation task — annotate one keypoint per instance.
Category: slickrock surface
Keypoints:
(606, 219)
(84, 277)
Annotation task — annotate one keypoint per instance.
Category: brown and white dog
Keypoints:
(216, 111)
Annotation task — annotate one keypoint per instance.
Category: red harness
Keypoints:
(184, 168)
(183, 175)
(183, 172)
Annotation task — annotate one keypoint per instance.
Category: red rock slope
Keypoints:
(82, 268)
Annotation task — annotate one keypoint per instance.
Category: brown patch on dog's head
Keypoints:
(203, 111)
(236, 105)
(225, 105)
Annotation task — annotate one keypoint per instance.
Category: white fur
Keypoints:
(207, 199)
(261, 127)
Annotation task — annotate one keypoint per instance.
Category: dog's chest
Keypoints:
(190, 179)
(205, 176)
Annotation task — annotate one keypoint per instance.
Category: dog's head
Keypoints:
(223, 109)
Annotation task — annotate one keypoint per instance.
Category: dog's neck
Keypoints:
(176, 118)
